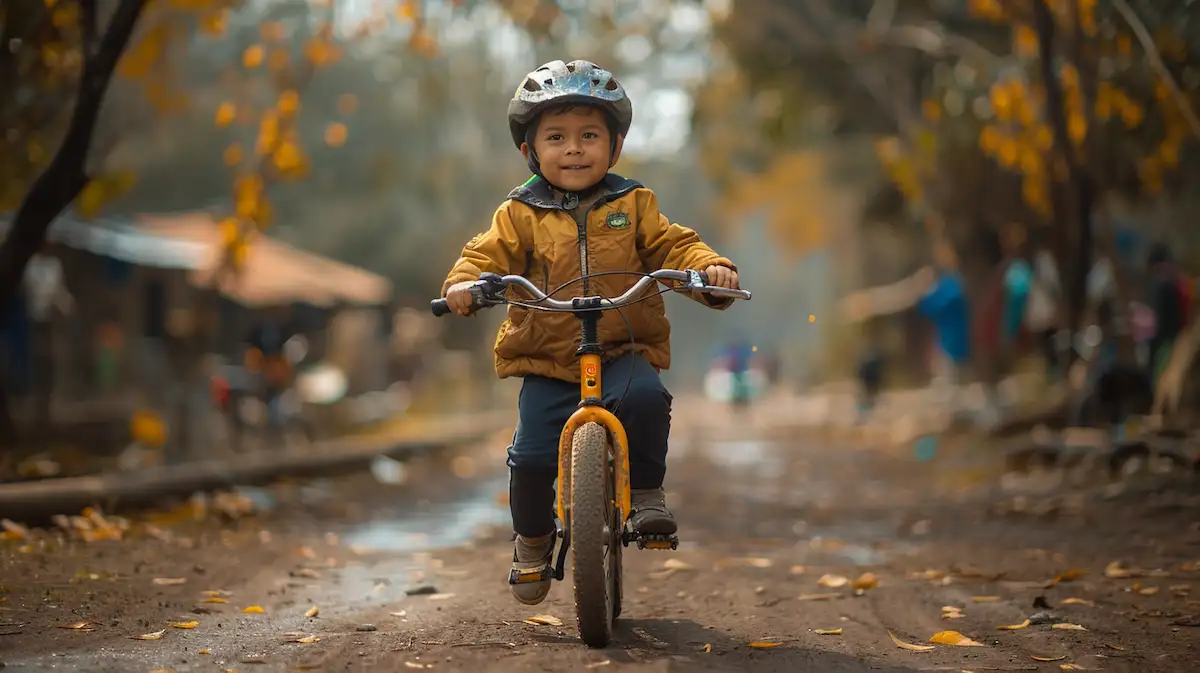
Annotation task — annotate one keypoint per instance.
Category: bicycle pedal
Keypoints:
(658, 542)
(530, 575)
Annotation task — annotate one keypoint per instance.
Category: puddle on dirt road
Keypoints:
(435, 525)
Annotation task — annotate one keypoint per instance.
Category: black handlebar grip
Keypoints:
(439, 307)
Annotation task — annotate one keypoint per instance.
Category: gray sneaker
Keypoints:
(531, 573)
(650, 515)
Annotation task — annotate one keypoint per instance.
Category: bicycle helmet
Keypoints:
(575, 83)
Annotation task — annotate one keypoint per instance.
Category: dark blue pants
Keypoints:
(544, 406)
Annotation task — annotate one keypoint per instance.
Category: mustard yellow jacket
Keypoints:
(534, 235)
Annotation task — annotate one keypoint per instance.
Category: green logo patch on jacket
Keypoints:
(617, 220)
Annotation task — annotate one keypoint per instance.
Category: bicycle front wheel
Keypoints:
(595, 538)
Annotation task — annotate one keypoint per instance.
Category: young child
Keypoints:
(573, 218)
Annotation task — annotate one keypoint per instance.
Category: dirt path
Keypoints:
(763, 519)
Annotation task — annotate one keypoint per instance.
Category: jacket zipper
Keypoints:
(581, 227)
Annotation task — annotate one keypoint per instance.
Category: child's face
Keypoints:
(573, 147)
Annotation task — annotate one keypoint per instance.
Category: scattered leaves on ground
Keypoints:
(828, 632)
(954, 638)
(1014, 627)
(156, 635)
(253, 610)
(190, 624)
(909, 646)
(544, 620)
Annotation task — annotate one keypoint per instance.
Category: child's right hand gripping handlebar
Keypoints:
(490, 288)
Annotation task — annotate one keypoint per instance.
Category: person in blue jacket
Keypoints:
(945, 304)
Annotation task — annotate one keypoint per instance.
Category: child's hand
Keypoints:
(459, 297)
(722, 276)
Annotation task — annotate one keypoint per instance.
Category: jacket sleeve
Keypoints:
(663, 244)
(500, 250)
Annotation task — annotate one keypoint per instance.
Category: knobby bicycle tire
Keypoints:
(593, 533)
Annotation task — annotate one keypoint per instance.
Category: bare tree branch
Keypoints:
(89, 26)
(1147, 42)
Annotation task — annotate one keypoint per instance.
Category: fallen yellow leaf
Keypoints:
(984, 599)
(1116, 570)
(758, 562)
(864, 582)
(953, 638)
(1077, 601)
(817, 597)
(169, 581)
(1014, 627)
(214, 599)
(544, 620)
(707, 648)
(763, 644)
(76, 626)
(191, 624)
(205, 651)
(828, 632)
(307, 640)
(1068, 627)
(150, 636)
(909, 646)
(833, 581)
(312, 612)
(214, 592)
(1147, 591)
(1071, 667)
(797, 570)
(1038, 658)
(1069, 575)
(253, 609)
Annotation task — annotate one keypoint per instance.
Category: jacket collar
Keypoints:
(538, 193)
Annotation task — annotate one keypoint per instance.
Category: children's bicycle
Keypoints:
(593, 492)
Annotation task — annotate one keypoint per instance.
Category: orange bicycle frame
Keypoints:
(592, 411)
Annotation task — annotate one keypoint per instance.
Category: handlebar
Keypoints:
(489, 291)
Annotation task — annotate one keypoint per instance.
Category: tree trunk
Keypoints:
(66, 175)
(1073, 211)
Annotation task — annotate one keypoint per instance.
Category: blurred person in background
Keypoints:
(870, 378)
(1042, 312)
(1170, 298)
(944, 303)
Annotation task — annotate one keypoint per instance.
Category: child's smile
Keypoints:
(574, 147)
